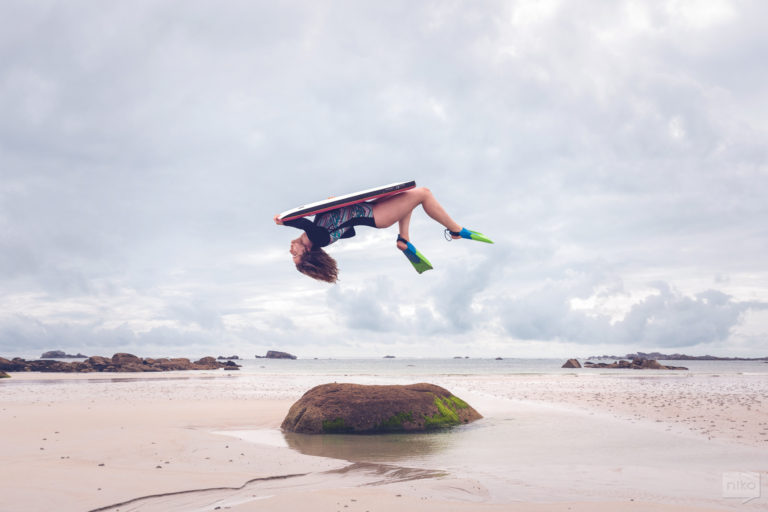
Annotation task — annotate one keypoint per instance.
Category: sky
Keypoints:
(616, 151)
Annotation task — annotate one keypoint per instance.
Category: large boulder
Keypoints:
(10, 366)
(121, 359)
(572, 363)
(122, 362)
(49, 365)
(231, 365)
(174, 364)
(208, 363)
(362, 409)
(99, 363)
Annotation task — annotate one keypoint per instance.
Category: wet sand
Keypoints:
(549, 443)
(727, 407)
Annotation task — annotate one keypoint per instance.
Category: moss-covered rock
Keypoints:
(4, 375)
(354, 408)
(395, 423)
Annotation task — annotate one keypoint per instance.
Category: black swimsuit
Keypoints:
(335, 224)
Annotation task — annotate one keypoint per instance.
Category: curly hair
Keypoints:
(318, 265)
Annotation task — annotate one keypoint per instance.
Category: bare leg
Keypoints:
(398, 208)
(392, 209)
(403, 225)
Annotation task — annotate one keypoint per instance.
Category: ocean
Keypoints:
(417, 367)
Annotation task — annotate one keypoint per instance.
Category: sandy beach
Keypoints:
(187, 441)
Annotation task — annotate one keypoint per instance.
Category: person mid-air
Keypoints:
(330, 226)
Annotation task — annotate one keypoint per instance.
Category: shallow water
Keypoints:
(543, 453)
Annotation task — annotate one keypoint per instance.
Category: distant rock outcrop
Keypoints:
(120, 362)
(363, 409)
(635, 364)
(276, 354)
(572, 363)
(678, 357)
(229, 358)
(231, 365)
(60, 354)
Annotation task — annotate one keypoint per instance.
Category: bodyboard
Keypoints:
(346, 200)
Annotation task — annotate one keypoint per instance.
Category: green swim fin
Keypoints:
(468, 234)
(419, 262)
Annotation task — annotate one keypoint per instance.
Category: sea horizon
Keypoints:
(428, 366)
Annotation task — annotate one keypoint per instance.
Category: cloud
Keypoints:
(460, 299)
(370, 308)
(454, 304)
(665, 318)
(383, 306)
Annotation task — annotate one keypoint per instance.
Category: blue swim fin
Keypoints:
(419, 262)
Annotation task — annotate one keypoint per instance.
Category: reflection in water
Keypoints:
(375, 447)
(385, 473)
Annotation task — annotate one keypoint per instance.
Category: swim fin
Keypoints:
(468, 234)
(419, 262)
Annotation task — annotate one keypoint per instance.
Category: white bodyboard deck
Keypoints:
(346, 200)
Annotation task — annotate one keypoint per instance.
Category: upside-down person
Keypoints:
(330, 226)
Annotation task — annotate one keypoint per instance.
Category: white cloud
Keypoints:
(531, 13)
(666, 318)
(701, 14)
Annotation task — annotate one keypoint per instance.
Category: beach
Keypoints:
(210, 440)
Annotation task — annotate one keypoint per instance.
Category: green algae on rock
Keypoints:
(335, 426)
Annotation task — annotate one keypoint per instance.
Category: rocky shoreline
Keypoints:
(678, 357)
(120, 362)
(635, 364)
